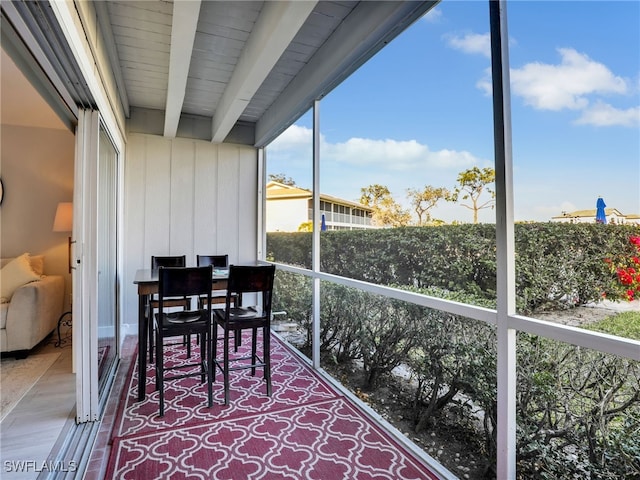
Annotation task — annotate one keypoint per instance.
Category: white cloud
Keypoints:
(388, 154)
(471, 43)
(567, 85)
(485, 83)
(397, 155)
(433, 16)
(348, 166)
(604, 115)
(293, 138)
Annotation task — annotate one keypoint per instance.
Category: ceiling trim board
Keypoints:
(112, 52)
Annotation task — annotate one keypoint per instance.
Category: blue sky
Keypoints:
(420, 111)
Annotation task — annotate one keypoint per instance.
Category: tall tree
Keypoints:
(424, 200)
(373, 194)
(471, 184)
(282, 178)
(386, 211)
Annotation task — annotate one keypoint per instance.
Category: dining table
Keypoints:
(147, 282)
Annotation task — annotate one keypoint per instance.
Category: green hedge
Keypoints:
(557, 264)
(578, 410)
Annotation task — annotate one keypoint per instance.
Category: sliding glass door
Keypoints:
(95, 330)
(107, 257)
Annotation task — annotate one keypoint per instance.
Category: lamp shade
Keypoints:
(64, 217)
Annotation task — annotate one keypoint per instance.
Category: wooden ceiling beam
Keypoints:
(183, 33)
(274, 30)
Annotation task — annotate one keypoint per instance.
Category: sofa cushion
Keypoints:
(15, 274)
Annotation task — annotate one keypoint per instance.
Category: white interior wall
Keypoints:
(184, 196)
(37, 173)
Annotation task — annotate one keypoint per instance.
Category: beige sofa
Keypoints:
(29, 311)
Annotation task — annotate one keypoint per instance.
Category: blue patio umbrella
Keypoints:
(323, 224)
(601, 216)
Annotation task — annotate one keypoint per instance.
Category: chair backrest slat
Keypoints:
(168, 261)
(184, 281)
(218, 261)
(252, 279)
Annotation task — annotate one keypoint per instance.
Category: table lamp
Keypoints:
(63, 222)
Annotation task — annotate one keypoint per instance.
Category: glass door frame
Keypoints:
(107, 258)
(91, 394)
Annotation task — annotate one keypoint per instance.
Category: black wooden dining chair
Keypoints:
(217, 261)
(218, 296)
(183, 282)
(179, 302)
(244, 280)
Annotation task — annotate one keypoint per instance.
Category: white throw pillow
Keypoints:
(37, 264)
(15, 274)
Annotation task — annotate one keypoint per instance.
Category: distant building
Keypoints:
(635, 218)
(289, 206)
(589, 216)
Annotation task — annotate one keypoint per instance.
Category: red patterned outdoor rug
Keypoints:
(294, 383)
(305, 430)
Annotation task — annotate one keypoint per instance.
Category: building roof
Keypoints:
(591, 213)
(280, 191)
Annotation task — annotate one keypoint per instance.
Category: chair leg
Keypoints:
(202, 343)
(214, 353)
(237, 336)
(160, 374)
(237, 333)
(266, 343)
(209, 366)
(254, 356)
(187, 338)
(157, 378)
(225, 371)
(150, 331)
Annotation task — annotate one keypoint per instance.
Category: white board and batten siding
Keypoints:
(184, 196)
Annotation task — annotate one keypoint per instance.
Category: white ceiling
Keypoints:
(256, 63)
(235, 70)
(20, 103)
